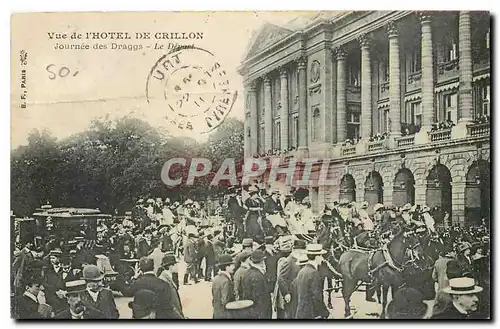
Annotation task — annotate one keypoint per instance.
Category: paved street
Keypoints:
(197, 302)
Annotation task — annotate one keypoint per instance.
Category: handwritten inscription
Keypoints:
(60, 72)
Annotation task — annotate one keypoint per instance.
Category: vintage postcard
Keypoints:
(251, 165)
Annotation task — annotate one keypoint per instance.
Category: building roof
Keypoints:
(270, 33)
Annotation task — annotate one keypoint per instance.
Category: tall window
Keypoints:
(416, 60)
(451, 49)
(295, 130)
(277, 135)
(487, 39)
(353, 121)
(485, 100)
(384, 69)
(450, 107)
(384, 120)
(316, 125)
(414, 113)
(262, 144)
(354, 75)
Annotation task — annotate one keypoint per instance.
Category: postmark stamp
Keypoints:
(191, 88)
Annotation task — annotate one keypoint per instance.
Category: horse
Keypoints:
(383, 265)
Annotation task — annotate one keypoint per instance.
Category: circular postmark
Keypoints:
(191, 88)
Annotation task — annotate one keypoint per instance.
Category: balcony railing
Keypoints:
(448, 66)
(348, 150)
(414, 77)
(405, 141)
(440, 135)
(478, 129)
(376, 146)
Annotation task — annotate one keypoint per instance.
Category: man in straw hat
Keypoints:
(465, 301)
(255, 286)
(223, 286)
(77, 309)
(95, 295)
(310, 304)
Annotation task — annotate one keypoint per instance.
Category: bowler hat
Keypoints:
(143, 303)
(257, 256)
(224, 259)
(168, 260)
(92, 273)
(299, 244)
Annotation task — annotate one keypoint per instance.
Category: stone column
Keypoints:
(341, 56)
(428, 112)
(458, 202)
(366, 87)
(302, 66)
(254, 139)
(284, 108)
(268, 115)
(465, 64)
(394, 81)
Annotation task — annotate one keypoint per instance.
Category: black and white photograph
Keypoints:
(253, 165)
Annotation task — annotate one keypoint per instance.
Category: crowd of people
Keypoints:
(266, 253)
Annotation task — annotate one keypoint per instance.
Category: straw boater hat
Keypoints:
(406, 207)
(364, 205)
(315, 249)
(285, 243)
(188, 202)
(56, 252)
(75, 286)
(462, 286)
(378, 207)
(302, 259)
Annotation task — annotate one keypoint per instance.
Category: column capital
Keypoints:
(267, 79)
(339, 53)
(252, 86)
(425, 17)
(302, 62)
(283, 72)
(392, 29)
(364, 41)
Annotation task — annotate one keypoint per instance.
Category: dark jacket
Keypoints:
(288, 273)
(26, 308)
(310, 304)
(105, 303)
(222, 293)
(90, 313)
(53, 282)
(450, 313)
(168, 303)
(144, 249)
(255, 287)
(236, 210)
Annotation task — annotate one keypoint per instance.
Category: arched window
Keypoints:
(316, 124)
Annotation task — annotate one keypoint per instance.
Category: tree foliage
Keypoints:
(111, 164)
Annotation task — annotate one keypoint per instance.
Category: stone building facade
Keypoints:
(397, 103)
